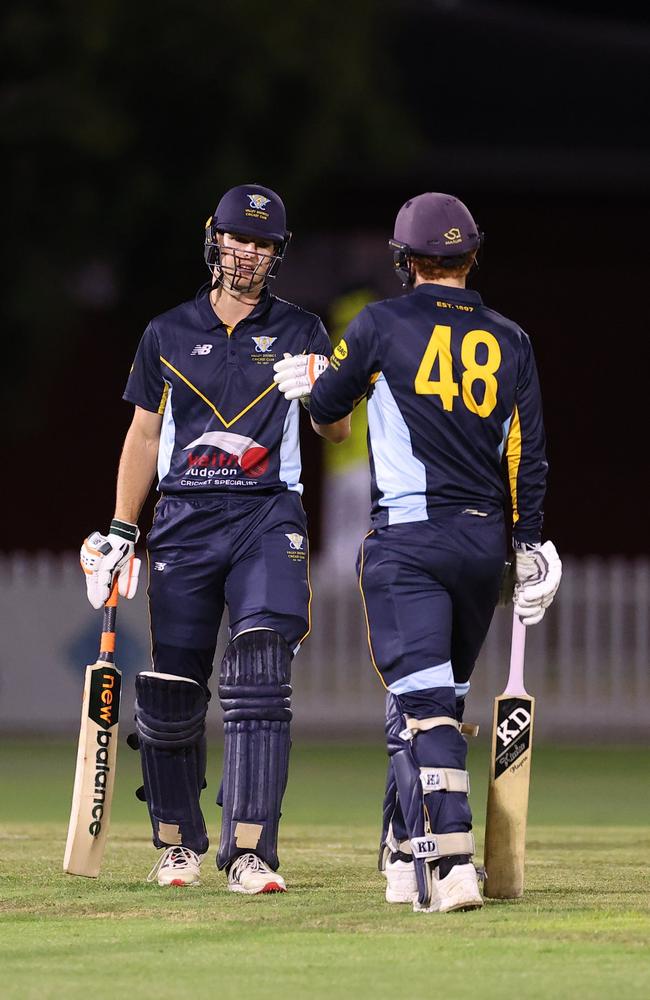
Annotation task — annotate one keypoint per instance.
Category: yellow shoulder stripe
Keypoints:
(513, 455)
(163, 399)
(371, 381)
(226, 423)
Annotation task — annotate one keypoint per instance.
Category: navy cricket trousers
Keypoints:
(429, 590)
(249, 553)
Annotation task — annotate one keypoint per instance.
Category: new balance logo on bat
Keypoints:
(104, 698)
(102, 773)
(513, 726)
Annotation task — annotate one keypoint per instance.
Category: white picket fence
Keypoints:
(587, 663)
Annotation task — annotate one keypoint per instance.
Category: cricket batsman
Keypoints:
(229, 530)
(453, 397)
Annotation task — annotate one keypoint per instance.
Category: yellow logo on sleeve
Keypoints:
(341, 350)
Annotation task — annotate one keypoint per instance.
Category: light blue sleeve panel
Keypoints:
(400, 477)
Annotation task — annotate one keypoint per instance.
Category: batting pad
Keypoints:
(170, 721)
(255, 694)
(444, 779)
(442, 845)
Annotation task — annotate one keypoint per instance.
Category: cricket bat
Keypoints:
(507, 805)
(96, 756)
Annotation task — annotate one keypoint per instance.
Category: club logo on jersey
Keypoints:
(512, 732)
(452, 236)
(233, 455)
(201, 349)
(295, 540)
(263, 355)
(258, 201)
(262, 344)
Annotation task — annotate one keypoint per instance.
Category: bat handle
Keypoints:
(107, 644)
(515, 683)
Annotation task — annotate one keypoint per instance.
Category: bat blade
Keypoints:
(95, 770)
(507, 806)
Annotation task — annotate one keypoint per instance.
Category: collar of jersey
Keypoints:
(450, 292)
(211, 321)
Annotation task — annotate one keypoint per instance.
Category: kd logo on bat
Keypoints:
(513, 725)
(513, 731)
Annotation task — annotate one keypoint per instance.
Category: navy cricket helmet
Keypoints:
(432, 225)
(248, 210)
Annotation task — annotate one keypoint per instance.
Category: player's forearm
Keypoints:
(336, 432)
(135, 475)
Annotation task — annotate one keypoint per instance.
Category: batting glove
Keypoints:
(539, 571)
(103, 557)
(296, 375)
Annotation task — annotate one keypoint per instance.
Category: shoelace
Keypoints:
(174, 857)
(250, 861)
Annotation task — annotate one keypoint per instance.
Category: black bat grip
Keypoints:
(107, 644)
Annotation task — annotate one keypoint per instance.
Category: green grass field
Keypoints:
(582, 929)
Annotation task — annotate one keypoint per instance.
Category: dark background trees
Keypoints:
(122, 124)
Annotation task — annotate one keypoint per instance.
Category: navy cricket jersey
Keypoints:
(452, 387)
(226, 426)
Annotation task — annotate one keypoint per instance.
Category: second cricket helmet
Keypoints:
(249, 210)
(432, 225)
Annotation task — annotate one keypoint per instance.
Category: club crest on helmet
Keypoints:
(258, 201)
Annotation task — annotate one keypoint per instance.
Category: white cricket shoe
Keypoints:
(401, 883)
(249, 874)
(456, 891)
(177, 866)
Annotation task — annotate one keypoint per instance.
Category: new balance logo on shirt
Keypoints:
(202, 349)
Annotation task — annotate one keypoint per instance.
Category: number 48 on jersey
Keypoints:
(439, 350)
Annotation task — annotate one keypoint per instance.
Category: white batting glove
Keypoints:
(103, 557)
(295, 375)
(539, 572)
